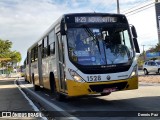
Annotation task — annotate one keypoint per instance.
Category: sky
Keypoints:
(24, 21)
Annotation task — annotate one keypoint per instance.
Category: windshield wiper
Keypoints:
(90, 33)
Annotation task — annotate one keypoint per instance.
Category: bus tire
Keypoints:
(36, 87)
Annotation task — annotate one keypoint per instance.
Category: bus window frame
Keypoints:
(45, 47)
(36, 53)
(32, 55)
(51, 43)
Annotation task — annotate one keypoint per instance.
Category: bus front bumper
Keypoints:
(78, 88)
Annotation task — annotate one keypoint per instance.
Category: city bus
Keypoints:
(85, 53)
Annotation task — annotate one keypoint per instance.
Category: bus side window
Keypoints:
(45, 46)
(32, 55)
(36, 53)
(27, 61)
(51, 49)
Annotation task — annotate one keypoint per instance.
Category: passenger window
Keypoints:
(51, 43)
(52, 48)
(149, 63)
(153, 64)
(45, 46)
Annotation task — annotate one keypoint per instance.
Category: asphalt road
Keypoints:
(132, 104)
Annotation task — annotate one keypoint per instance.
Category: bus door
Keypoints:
(61, 63)
(40, 65)
(30, 75)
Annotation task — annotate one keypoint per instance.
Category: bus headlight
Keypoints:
(75, 76)
(134, 72)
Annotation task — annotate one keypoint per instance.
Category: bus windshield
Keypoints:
(99, 46)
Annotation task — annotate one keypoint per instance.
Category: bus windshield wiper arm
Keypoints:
(92, 35)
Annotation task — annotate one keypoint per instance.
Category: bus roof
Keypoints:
(64, 16)
(95, 14)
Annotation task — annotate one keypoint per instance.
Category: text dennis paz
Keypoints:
(148, 114)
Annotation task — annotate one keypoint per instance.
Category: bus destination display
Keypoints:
(95, 19)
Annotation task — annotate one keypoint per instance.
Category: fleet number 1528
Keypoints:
(93, 78)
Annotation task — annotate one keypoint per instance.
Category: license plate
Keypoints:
(109, 90)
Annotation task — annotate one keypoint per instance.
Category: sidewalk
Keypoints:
(11, 99)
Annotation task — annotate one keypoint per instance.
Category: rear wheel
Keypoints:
(158, 71)
(145, 72)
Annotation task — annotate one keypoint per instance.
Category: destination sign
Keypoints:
(95, 19)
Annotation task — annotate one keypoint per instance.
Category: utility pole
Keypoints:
(118, 9)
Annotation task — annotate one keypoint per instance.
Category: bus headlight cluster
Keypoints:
(75, 76)
(134, 72)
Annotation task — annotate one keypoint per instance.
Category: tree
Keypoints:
(8, 57)
(15, 56)
(155, 49)
(5, 51)
(5, 46)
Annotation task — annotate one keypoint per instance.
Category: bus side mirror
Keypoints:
(136, 45)
(134, 33)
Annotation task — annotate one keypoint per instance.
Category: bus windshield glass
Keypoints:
(99, 45)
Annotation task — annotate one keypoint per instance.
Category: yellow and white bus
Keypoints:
(85, 53)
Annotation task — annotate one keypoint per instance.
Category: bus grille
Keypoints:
(100, 88)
